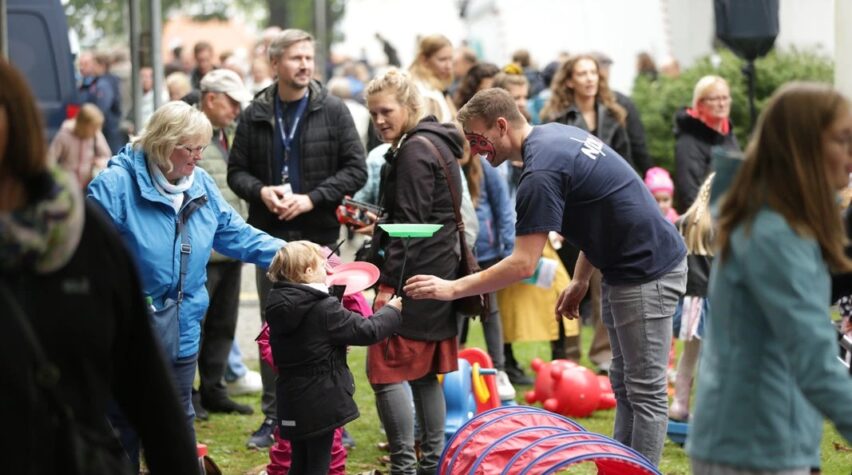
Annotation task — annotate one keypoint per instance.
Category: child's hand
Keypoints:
(396, 303)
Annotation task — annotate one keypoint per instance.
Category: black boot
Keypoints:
(513, 369)
(201, 414)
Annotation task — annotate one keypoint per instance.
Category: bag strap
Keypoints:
(185, 245)
(453, 192)
(185, 250)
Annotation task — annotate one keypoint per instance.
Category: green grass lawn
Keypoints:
(226, 435)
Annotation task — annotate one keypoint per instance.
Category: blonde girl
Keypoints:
(696, 227)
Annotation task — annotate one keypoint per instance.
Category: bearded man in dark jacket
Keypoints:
(296, 154)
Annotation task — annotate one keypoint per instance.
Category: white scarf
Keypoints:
(173, 192)
(318, 286)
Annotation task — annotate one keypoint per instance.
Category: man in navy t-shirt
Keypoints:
(574, 184)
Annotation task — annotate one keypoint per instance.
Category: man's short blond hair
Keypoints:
(286, 39)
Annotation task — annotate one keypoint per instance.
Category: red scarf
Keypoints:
(723, 126)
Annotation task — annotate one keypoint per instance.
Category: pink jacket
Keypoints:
(81, 157)
(280, 453)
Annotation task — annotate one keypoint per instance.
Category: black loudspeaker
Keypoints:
(748, 27)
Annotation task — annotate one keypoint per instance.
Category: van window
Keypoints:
(31, 50)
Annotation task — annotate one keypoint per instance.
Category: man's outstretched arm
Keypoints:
(519, 265)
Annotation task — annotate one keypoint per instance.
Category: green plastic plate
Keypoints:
(416, 230)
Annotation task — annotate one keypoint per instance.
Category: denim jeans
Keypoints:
(638, 319)
(236, 369)
(394, 407)
(492, 329)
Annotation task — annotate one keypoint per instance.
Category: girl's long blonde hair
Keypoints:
(784, 169)
(291, 262)
(696, 224)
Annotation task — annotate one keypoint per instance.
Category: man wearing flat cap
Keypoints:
(222, 94)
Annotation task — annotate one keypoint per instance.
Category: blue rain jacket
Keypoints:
(148, 223)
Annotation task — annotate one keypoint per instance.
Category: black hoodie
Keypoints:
(308, 332)
(414, 189)
(693, 142)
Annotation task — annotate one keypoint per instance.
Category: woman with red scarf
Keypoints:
(698, 129)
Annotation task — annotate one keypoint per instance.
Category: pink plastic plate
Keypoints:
(356, 276)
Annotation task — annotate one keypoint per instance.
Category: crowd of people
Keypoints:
(528, 168)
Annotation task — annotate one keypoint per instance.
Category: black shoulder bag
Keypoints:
(475, 304)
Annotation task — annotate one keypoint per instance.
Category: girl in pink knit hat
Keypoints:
(660, 183)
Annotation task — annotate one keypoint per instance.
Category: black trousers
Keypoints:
(311, 456)
(219, 327)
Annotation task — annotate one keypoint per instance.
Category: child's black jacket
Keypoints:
(309, 332)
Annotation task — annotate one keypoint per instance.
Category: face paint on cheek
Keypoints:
(479, 145)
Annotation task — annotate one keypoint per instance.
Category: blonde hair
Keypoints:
(563, 96)
(428, 47)
(292, 261)
(286, 39)
(179, 82)
(784, 169)
(704, 85)
(168, 126)
(506, 78)
(403, 89)
(696, 224)
(87, 118)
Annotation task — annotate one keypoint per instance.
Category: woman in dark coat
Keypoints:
(697, 130)
(415, 189)
(582, 98)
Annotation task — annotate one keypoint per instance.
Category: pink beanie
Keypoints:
(658, 179)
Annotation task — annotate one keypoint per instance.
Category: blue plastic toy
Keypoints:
(677, 431)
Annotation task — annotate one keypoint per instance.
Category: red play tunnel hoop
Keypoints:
(514, 416)
(518, 440)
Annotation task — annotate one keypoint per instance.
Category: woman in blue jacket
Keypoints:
(769, 371)
(147, 188)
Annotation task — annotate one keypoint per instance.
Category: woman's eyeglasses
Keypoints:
(192, 150)
(717, 99)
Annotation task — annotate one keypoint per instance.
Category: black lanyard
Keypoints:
(287, 139)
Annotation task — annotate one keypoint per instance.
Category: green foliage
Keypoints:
(658, 100)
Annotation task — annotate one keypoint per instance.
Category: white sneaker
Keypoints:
(249, 383)
(504, 387)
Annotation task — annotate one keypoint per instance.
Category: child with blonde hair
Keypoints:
(309, 331)
(696, 227)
